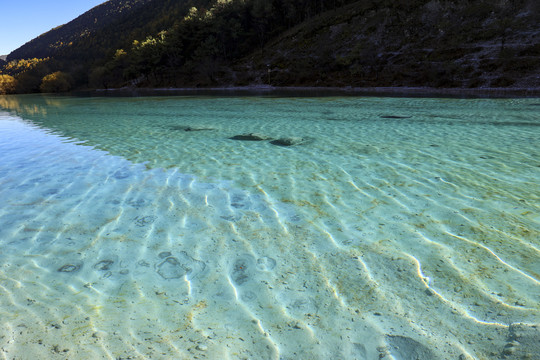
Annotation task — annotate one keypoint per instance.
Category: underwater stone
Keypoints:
(143, 263)
(289, 141)
(188, 128)
(164, 254)
(266, 263)
(171, 268)
(237, 205)
(50, 192)
(145, 220)
(523, 340)
(196, 267)
(176, 267)
(509, 351)
(359, 351)
(121, 174)
(69, 268)
(241, 269)
(202, 347)
(402, 347)
(136, 203)
(232, 218)
(300, 304)
(250, 137)
(395, 117)
(295, 218)
(430, 292)
(248, 296)
(239, 201)
(104, 265)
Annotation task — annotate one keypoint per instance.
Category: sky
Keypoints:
(23, 20)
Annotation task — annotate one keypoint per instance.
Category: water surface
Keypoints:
(390, 228)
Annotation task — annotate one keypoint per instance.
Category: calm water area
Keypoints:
(269, 227)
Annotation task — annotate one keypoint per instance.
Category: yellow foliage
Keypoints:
(192, 14)
(120, 53)
(18, 66)
(7, 84)
(56, 82)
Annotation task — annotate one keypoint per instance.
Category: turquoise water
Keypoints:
(392, 228)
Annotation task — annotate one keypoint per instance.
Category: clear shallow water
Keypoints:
(398, 228)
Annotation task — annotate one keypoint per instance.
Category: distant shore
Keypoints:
(329, 91)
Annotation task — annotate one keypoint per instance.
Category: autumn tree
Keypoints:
(56, 82)
(7, 84)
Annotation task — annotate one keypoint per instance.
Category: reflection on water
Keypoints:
(269, 227)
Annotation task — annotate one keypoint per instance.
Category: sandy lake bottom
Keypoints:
(195, 227)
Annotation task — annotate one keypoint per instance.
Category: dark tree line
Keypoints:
(207, 37)
(195, 42)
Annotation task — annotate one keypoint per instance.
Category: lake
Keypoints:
(269, 227)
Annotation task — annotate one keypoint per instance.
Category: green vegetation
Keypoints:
(147, 43)
(56, 82)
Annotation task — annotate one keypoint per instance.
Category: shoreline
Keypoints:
(344, 91)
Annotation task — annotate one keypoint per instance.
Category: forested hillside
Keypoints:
(462, 44)
(181, 43)
(76, 47)
(85, 26)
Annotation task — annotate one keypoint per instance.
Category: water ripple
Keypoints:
(377, 238)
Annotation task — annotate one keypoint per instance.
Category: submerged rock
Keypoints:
(145, 220)
(242, 269)
(232, 218)
(189, 128)
(164, 254)
(171, 268)
(250, 137)
(121, 174)
(266, 263)
(288, 141)
(395, 117)
(104, 265)
(359, 351)
(69, 268)
(179, 266)
(240, 201)
(402, 347)
(248, 296)
(523, 342)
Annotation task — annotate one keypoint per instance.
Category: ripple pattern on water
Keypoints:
(403, 227)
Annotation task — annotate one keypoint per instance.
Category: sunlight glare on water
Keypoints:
(267, 227)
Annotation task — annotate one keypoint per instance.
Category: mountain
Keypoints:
(97, 33)
(466, 44)
(84, 26)
(89, 40)
(181, 43)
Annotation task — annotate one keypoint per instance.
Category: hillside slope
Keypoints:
(420, 43)
(53, 41)
(201, 43)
